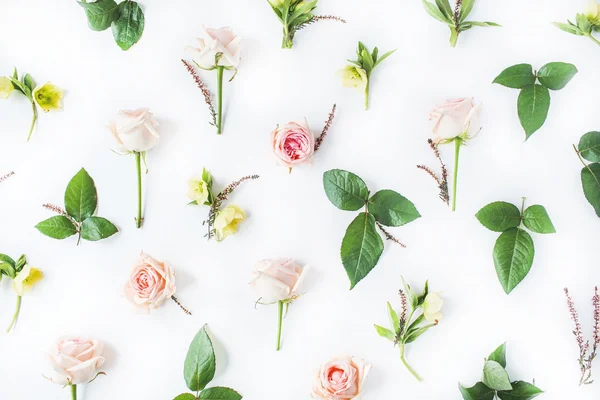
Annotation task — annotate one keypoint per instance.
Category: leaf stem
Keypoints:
(594, 39)
(73, 392)
(16, 314)
(34, 119)
(220, 98)
(457, 143)
(367, 88)
(138, 164)
(407, 365)
(280, 320)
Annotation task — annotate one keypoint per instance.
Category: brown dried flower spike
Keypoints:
(441, 181)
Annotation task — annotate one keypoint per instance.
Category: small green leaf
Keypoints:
(513, 257)
(128, 28)
(414, 333)
(97, 228)
(520, 391)
(533, 106)
(465, 9)
(483, 24)
(589, 146)
(536, 219)
(361, 248)
(384, 56)
(499, 355)
(394, 320)
(219, 393)
(57, 227)
(495, 376)
(556, 75)
(392, 209)
(100, 14)
(7, 259)
(383, 332)
(499, 216)
(81, 198)
(21, 262)
(7, 269)
(590, 180)
(477, 392)
(569, 28)
(444, 7)
(29, 82)
(345, 190)
(516, 77)
(200, 363)
(435, 12)
(185, 396)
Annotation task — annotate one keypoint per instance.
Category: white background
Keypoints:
(289, 215)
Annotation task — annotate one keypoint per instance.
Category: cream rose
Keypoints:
(341, 378)
(150, 284)
(293, 144)
(277, 280)
(454, 118)
(135, 130)
(221, 43)
(75, 361)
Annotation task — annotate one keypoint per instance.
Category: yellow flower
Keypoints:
(432, 307)
(48, 96)
(592, 11)
(197, 191)
(354, 77)
(6, 87)
(25, 279)
(227, 220)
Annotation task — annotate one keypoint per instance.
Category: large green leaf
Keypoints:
(477, 392)
(345, 190)
(128, 28)
(97, 228)
(516, 77)
(219, 393)
(513, 257)
(100, 14)
(81, 198)
(590, 180)
(499, 355)
(57, 227)
(392, 209)
(556, 75)
(361, 248)
(499, 216)
(589, 146)
(520, 391)
(536, 219)
(495, 376)
(200, 364)
(533, 105)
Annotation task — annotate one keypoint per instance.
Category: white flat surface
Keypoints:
(289, 215)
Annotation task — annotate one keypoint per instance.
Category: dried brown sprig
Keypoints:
(317, 18)
(389, 236)
(6, 176)
(328, 124)
(403, 314)
(185, 310)
(55, 209)
(204, 89)
(457, 14)
(441, 181)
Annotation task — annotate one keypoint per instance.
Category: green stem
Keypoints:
(138, 163)
(33, 121)
(220, 99)
(16, 314)
(288, 40)
(594, 39)
(367, 94)
(73, 392)
(280, 318)
(457, 143)
(407, 365)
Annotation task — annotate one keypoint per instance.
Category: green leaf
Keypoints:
(536, 219)
(483, 24)
(392, 209)
(57, 227)
(20, 87)
(411, 297)
(361, 248)
(100, 14)
(383, 332)
(516, 77)
(435, 12)
(513, 257)
(495, 376)
(444, 7)
(394, 320)
(521, 391)
(533, 106)
(29, 82)
(81, 198)
(570, 28)
(128, 28)
(367, 61)
(200, 363)
(219, 393)
(7, 269)
(345, 190)
(21, 262)
(97, 228)
(590, 180)
(7, 259)
(499, 216)
(383, 57)
(589, 146)
(465, 9)
(477, 392)
(556, 75)
(413, 334)
(499, 355)
(185, 396)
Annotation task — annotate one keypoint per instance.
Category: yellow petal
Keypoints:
(25, 279)
(6, 87)
(48, 96)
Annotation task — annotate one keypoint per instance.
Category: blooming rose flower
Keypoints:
(227, 221)
(150, 284)
(135, 130)
(219, 41)
(198, 190)
(354, 77)
(432, 307)
(293, 144)
(6, 87)
(48, 96)
(341, 378)
(25, 279)
(456, 117)
(75, 360)
(277, 280)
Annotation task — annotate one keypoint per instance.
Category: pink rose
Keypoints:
(293, 144)
(75, 361)
(277, 280)
(456, 117)
(134, 130)
(218, 41)
(341, 378)
(150, 284)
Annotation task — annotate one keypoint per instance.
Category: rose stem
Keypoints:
(220, 98)
(412, 371)
(16, 314)
(367, 95)
(35, 115)
(594, 39)
(457, 144)
(280, 305)
(138, 163)
(73, 392)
